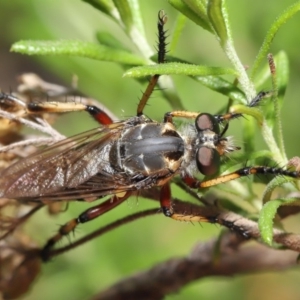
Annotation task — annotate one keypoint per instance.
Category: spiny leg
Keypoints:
(8, 102)
(168, 211)
(254, 102)
(88, 215)
(168, 117)
(206, 214)
(161, 51)
(99, 115)
(166, 203)
(58, 107)
(246, 171)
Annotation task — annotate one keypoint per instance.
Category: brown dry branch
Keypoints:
(170, 276)
(232, 254)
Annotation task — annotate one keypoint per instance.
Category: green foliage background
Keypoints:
(90, 268)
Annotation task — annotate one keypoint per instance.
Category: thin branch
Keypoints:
(170, 276)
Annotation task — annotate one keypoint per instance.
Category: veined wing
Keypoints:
(100, 185)
(65, 164)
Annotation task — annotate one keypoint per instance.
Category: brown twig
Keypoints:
(170, 276)
(225, 257)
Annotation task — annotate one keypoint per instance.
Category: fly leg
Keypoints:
(246, 171)
(161, 51)
(243, 172)
(253, 103)
(208, 216)
(98, 114)
(168, 117)
(88, 215)
(57, 107)
(168, 211)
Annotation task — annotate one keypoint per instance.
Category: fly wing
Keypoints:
(100, 185)
(63, 165)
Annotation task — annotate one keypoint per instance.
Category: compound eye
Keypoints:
(208, 160)
(207, 121)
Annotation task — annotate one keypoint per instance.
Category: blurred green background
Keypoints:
(90, 268)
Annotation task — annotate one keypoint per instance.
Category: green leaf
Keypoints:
(198, 7)
(267, 214)
(282, 74)
(177, 68)
(283, 18)
(273, 184)
(137, 18)
(249, 128)
(105, 6)
(217, 13)
(215, 83)
(179, 25)
(77, 48)
(186, 10)
(107, 39)
(124, 10)
(263, 154)
(222, 86)
(272, 106)
(218, 17)
(246, 110)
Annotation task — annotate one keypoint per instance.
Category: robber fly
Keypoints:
(121, 158)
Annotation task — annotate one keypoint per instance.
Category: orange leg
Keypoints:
(219, 118)
(166, 206)
(262, 170)
(98, 114)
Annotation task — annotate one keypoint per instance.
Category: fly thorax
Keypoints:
(148, 148)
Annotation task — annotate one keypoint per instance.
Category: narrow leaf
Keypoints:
(222, 86)
(177, 68)
(263, 154)
(198, 7)
(76, 48)
(179, 25)
(279, 80)
(107, 39)
(246, 110)
(125, 13)
(267, 214)
(218, 17)
(283, 18)
(137, 18)
(190, 14)
(105, 6)
(282, 75)
(273, 184)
